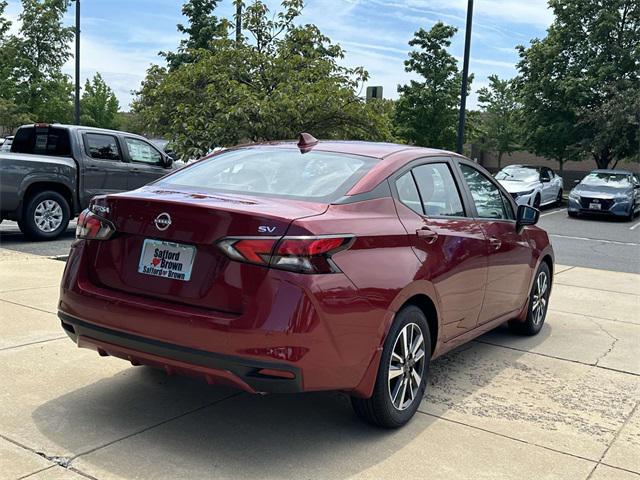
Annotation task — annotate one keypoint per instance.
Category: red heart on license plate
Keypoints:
(155, 262)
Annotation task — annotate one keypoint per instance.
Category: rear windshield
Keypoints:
(277, 172)
(42, 141)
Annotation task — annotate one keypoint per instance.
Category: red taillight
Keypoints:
(92, 227)
(298, 254)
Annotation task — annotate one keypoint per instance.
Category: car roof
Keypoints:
(611, 170)
(379, 150)
(82, 127)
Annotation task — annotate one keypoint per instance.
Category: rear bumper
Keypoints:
(249, 375)
(316, 329)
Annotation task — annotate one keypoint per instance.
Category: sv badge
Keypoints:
(266, 229)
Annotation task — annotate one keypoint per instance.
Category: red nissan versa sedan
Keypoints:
(312, 266)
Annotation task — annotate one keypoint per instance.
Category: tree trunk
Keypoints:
(603, 158)
(499, 160)
(561, 167)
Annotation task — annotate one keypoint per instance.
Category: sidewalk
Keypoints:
(562, 405)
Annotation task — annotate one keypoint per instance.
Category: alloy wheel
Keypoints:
(48, 215)
(406, 366)
(540, 298)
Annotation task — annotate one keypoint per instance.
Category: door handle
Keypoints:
(495, 243)
(427, 234)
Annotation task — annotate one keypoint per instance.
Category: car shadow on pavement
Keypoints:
(259, 436)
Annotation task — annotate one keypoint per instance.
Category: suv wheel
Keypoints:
(402, 375)
(538, 304)
(46, 216)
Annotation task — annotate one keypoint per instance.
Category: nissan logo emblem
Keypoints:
(162, 221)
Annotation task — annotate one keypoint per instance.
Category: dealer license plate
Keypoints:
(166, 259)
(595, 206)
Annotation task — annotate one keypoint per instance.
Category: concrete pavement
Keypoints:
(562, 405)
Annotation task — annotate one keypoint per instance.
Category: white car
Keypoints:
(533, 186)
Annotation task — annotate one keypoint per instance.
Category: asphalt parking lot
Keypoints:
(595, 242)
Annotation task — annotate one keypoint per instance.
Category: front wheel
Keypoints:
(45, 217)
(402, 375)
(538, 304)
(632, 213)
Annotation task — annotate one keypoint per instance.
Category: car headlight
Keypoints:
(574, 196)
(622, 198)
(522, 194)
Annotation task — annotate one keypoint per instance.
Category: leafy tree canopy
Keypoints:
(99, 105)
(580, 86)
(280, 81)
(203, 27)
(33, 86)
(427, 111)
(498, 124)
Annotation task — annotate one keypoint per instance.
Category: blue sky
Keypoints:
(121, 38)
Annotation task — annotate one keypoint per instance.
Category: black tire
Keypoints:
(572, 214)
(379, 410)
(58, 217)
(559, 199)
(535, 317)
(632, 213)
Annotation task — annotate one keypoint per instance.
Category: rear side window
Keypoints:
(102, 147)
(486, 196)
(408, 192)
(438, 191)
(277, 172)
(50, 141)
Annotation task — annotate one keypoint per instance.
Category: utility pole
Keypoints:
(77, 99)
(465, 76)
(238, 21)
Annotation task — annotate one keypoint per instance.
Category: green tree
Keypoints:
(285, 80)
(580, 85)
(31, 62)
(99, 105)
(202, 28)
(499, 126)
(427, 111)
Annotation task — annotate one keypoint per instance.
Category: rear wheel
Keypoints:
(538, 303)
(572, 214)
(45, 217)
(402, 376)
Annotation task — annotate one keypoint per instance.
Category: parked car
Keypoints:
(529, 185)
(6, 144)
(312, 266)
(53, 171)
(609, 192)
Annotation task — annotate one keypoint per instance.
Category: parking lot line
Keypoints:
(552, 212)
(633, 227)
(595, 240)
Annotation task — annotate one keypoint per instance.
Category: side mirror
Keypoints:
(545, 179)
(576, 182)
(527, 216)
(167, 161)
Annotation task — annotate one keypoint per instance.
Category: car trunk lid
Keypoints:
(193, 221)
